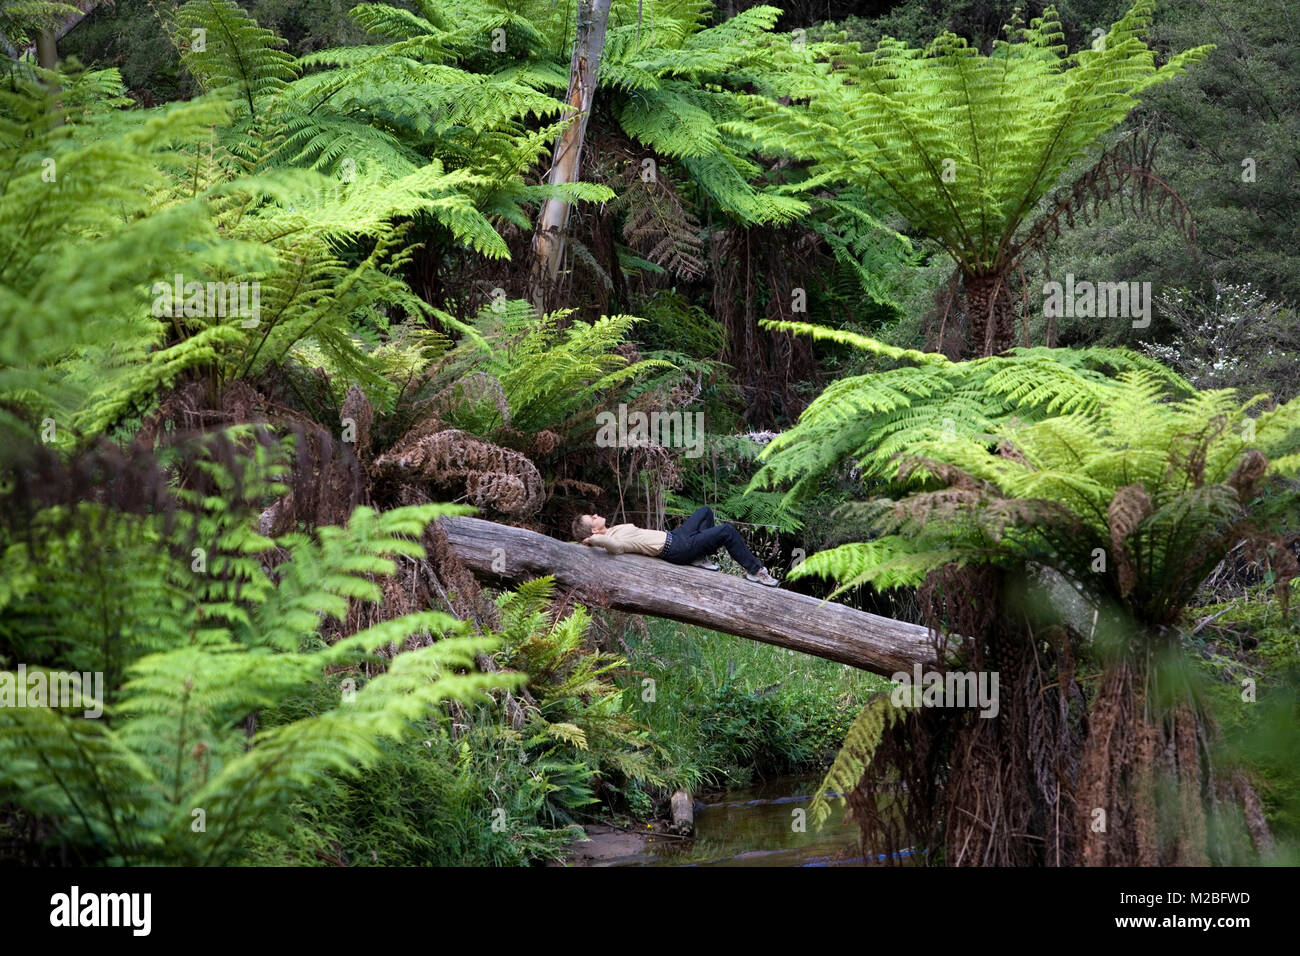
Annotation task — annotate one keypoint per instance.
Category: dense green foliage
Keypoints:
(961, 144)
(172, 773)
(262, 269)
(870, 419)
(729, 710)
(1128, 491)
(1079, 472)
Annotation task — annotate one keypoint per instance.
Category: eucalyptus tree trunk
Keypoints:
(566, 159)
(47, 53)
(45, 47)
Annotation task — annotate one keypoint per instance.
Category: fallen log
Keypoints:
(501, 554)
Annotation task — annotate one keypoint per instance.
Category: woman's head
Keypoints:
(584, 526)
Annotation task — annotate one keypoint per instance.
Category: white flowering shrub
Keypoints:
(1236, 338)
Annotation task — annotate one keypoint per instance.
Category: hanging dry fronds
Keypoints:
(1122, 177)
(1126, 511)
(491, 476)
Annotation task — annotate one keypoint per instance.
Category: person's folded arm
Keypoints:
(610, 544)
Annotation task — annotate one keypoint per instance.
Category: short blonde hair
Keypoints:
(581, 528)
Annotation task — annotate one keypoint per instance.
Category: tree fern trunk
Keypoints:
(566, 160)
(992, 322)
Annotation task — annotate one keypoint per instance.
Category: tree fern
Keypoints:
(171, 774)
(65, 202)
(211, 200)
(865, 421)
(547, 375)
(439, 85)
(963, 145)
(1009, 123)
(1127, 490)
(1133, 498)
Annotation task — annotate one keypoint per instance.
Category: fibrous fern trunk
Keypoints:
(1108, 769)
(566, 160)
(1149, 793)
(992, 319)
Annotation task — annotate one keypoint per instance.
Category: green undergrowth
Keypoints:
(729, 710)
(430, 800)
(1251, 653)
(451, 792)
(710, 710)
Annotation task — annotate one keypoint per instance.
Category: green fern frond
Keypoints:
(228, 52)
(860, 744)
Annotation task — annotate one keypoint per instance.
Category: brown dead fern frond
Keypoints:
(658, 225)
(491, 476)
(1126, 511)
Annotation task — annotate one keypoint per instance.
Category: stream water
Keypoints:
(755, 827)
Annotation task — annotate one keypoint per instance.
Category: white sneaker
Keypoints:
(706, 564)
(762, 577)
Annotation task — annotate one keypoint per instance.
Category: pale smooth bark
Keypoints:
(566, 158)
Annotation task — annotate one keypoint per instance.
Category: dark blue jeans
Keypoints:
(698, 536)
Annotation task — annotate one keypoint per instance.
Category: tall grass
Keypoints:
(728, 709)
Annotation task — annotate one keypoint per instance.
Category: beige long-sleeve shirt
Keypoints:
(629, 539)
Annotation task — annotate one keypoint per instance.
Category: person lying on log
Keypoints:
(691, 543)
